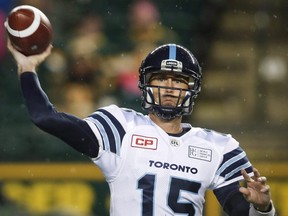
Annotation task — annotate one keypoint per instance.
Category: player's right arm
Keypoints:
(74, 131)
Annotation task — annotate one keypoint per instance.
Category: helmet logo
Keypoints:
(171, 65)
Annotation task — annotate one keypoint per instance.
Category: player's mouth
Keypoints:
(169, 100)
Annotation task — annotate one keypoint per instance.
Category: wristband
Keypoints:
(254, 212)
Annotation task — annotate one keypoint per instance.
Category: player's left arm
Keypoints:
(231, 200)
(235, 202)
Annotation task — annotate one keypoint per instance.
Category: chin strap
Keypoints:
(254, 212)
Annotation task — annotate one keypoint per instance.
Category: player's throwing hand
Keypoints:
(28, 63)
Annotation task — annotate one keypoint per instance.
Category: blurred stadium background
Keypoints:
(98, 45)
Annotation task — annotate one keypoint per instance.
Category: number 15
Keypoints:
(147, 184)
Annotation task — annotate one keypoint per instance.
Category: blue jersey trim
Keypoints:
(110, 129)
(102, 130)
(232, 164)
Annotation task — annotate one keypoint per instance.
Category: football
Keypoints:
(28, 29)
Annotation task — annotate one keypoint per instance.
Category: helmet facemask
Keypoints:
(151, 99)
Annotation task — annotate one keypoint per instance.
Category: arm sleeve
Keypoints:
(232, 201)
(234, 204)
(72, 130)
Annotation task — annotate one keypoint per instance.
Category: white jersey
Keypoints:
(151, 173)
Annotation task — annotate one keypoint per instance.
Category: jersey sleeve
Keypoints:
(234, 159)
(109, 126)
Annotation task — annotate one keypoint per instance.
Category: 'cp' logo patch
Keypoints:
(144, 142)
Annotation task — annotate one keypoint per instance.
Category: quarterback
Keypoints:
(155, 165)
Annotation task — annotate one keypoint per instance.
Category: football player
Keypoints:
(154, 164)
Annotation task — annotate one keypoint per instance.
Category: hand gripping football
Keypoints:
(29, 30)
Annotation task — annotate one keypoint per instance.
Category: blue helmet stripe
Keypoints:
(172, 51)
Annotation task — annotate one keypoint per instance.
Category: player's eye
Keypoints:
(180, 81)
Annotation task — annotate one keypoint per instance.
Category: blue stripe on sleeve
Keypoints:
(115, 122)
(232, 164)
(106, 142)
(110, 129)
(237, 172)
